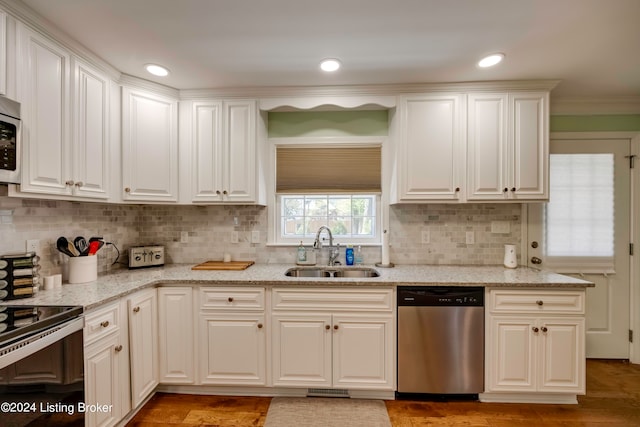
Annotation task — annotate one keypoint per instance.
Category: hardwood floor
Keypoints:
(612, 400)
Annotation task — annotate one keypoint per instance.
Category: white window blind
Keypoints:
(579, 219)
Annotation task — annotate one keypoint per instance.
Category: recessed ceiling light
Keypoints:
(491, 60)
(157, 70)
(330, 65)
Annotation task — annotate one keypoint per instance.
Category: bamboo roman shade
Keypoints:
(328, 170)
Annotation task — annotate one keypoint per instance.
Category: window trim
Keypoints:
(273, 203)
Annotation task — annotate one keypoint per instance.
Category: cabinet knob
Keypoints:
(505, 189)
(230, 299)
(225, 192)
(327, 327)
(118, 348)
(136, 309)
(457, 189)
(536, 260)
(544, 329)
(540, 302)
(335, 327)
(104, 324)
(259, 325)
(534, 329)
(218, 192)
(513, 189)
(127, 190)
(79, 184)
(69, 183)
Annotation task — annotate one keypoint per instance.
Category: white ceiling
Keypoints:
(592, 46)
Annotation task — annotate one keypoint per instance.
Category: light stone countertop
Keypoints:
(118, 284)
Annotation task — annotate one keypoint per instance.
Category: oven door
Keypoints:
(42, 378)
(9, 149)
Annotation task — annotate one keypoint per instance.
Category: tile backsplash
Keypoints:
(193, 234)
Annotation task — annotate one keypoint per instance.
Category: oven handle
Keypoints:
(29, 345)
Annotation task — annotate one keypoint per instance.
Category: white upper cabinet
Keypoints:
(149, 146)
(507, 151)
(44, 92)
(61, 159)
(223, 142)
(3, 52)
(430, 150)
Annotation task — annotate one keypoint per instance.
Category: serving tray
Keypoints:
(221, 265)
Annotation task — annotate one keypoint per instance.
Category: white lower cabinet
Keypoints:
(232, 347)
(143, 333)
(106, 364)
(535, 343)
(176, 335)
(318, 340)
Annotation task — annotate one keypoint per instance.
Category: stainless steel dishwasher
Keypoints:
(441, 340)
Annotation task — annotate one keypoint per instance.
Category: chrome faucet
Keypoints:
(334, 252)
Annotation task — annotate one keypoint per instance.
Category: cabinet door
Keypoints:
(232, 349)
(3, 53)
(44, 94)
(206, 142)
(240, 146)
(562, 355)
(91, 135)
(143, 330)
(302, 350)
(149, 147)
(104, 381)
(363, 352)
(529, 133)
(176, 359)
(511, 354)
(487, 147)
(430, 156)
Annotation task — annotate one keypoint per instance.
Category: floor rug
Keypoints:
(326, 412)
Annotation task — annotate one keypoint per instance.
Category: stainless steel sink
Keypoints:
(348, 272)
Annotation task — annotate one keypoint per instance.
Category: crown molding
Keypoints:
(21, 12)
(138, 83)
(595, 106)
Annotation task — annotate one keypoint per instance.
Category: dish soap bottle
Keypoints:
(302, 254)
(358, 257)
(349, 255)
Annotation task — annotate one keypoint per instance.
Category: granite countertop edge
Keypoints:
(113, 286)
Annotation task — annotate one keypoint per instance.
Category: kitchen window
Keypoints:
(333, 185)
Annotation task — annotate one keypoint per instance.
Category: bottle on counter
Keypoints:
(358, 259)
(302, 253)
(349, 256)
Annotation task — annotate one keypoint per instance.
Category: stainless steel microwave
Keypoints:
(9, 141)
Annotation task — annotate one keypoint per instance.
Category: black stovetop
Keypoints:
(19, 321)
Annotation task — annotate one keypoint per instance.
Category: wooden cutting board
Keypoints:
(221, 265)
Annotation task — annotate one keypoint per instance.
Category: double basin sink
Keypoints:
(348, 272)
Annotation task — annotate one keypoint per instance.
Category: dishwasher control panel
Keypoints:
(440, 296)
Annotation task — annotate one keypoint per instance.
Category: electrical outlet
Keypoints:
(471, 238)
(255, 237)
(32, 245)
(234, 237)
(426, 237)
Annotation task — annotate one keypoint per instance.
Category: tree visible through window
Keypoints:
(347, 216)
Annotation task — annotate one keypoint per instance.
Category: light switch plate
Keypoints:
(471, 239)
(255, 237)
(32, 245)
(234, 237)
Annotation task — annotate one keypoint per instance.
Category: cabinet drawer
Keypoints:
(101, 322)
(353, 299)
(231, 298)
(515, 301)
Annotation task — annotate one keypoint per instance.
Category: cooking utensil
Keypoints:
(94, 246)
(63, 246)
(81, 245)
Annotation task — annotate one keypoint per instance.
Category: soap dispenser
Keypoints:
(302, 254)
